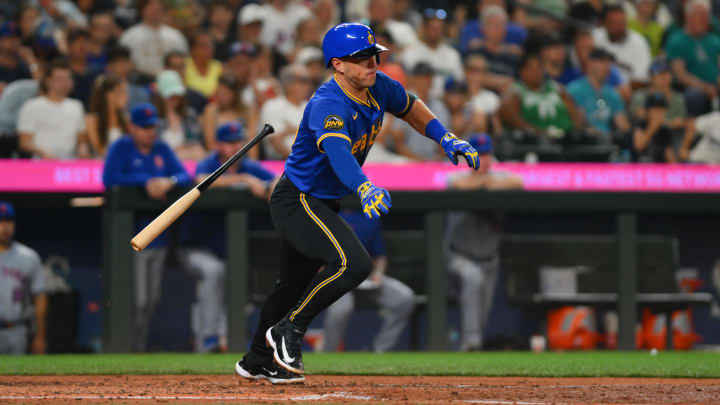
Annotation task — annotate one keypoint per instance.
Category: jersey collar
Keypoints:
(355, 99)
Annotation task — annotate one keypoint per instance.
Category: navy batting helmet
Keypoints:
(350, 39)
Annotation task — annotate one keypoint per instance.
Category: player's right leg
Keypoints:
(397, 302)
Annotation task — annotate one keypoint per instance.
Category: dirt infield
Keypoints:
(359, 389)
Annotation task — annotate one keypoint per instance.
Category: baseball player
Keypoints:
(21, 278)
(337, 130)
(395, 299)
(202, 259)
(473, 242)
(141, 159)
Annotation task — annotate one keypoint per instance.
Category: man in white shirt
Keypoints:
(280, 21)
(433, 50)
(50, 125)
(630, 49)
(707, 150)
(380, 13)
(285, 112)
(150, 40)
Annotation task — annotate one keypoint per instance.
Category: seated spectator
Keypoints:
(178, 125)
(501, 58)
(404, 11)
(395, 300)
(63, 14)
(463, 119)
(707, 148)
(78, 42)
(538, 105)
(285, 112)
(151, 39)
(106, 117)
(102, 38)
(401, 140)
(388, 59)
(630, 49)
(652, 138)
(201, 70)
(262, 80)
(250, 22)
(482, 100)
(240, 65)
(120, 65)
(204, 244)
(51, 125)
(553, 55)
(645, 24)
(603, 109)
(176, 61)
(589, 11)
(312, 59)
(15, 62)
(308, 35)
(227, 107)
(380, 14)
(142, 160)
(280, 21)
(221, 21)
(661, 81)
(473, 34)
(693, 55)
(473, 244)
(434, 50)
(327, 12)
(28, 19)
(578, 59)
(12, 99)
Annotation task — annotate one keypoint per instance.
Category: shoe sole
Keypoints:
(276, 356)
(252, 377)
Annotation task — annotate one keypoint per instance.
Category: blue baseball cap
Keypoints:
(9, 29)
(482, 143)
(7, 212)
(143, 115)
(658, 66)
(230, 132)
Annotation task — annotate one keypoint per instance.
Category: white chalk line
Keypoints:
(341, 395)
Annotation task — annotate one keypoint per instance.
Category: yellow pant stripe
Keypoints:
(335, 243)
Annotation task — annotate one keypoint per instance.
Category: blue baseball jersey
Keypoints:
(367, 230)
(334, 112)
(253, 167)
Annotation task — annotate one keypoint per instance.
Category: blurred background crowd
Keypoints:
(549, 80)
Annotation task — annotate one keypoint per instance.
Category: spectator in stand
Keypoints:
(537, 105)
(482, 100)
(589, 11)
(577, 64)
(403, 11)
(308, 34)
(661, 81)
(312, 59)
(630, 49)
(553, 55)
(646, 25)
(15, 95)
(51, 125)
(176, 61)
(151, 39)
(120, 65)
(327, 12)
(264, 84)
(463, 119)
(222, 29)
(601, 105)
(473, 34)
(227, 106)
(16, 62)
(652, 138)
(63, 14)
(285, 112)
(106, 120)
(27, 23)
(380, 15)
(401, 139)
(178, 124)
(693, 54)
(78, 42)
(433, 50)
(251, 20)
(280, 21)
(201, 70)
(239, 66)
(103, 36)
(142, 160)
(502, 58)
(707, 149)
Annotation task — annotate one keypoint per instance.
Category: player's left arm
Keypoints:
(411, 109)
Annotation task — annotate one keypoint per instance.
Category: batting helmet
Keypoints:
(350, 39)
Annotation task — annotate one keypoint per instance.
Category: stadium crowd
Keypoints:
(580, 80)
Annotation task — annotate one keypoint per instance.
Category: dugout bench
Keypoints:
(523, 257)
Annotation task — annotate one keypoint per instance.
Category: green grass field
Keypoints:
(578, 364)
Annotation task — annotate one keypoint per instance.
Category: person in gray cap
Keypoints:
(652, 138)
(22, 280)
(661, 81)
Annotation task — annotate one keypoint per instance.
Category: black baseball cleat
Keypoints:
(286, 342)
(271, 372)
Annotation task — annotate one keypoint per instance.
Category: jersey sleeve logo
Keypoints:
(333, 122)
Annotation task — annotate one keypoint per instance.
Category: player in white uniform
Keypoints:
(21, 278)
(473, 242)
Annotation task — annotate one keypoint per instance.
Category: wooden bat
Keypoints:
(173, 212)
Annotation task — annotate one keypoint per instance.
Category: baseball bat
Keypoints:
(173, 212)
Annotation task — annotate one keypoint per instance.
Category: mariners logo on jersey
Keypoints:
(334, 112)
